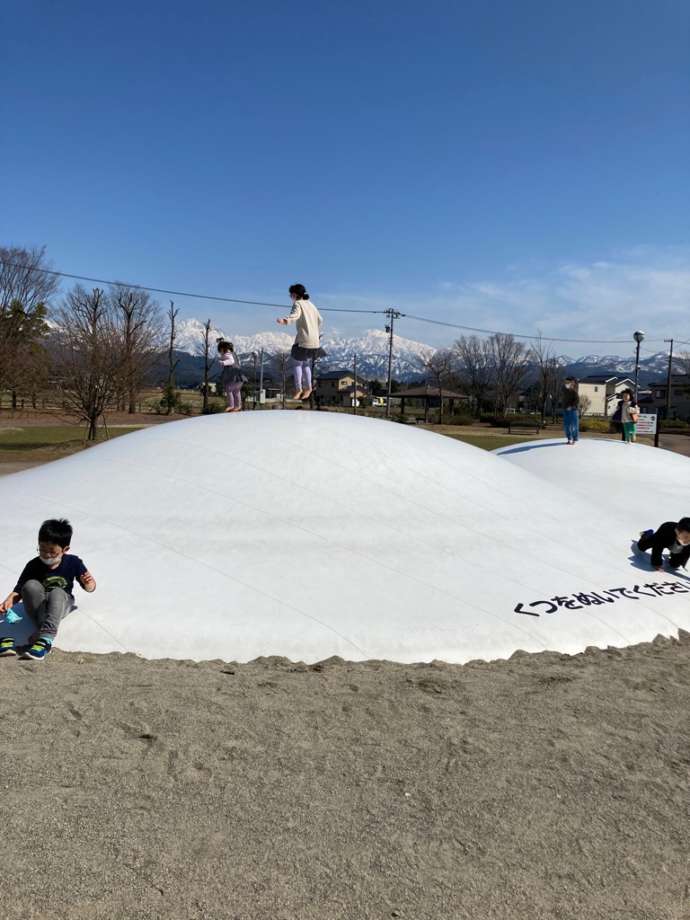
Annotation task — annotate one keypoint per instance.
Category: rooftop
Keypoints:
(335, 375)
(428, 390)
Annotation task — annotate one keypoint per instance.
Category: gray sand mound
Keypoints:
(540, 787)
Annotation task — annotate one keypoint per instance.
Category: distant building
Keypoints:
(337, 388)
(680, 397)
(603, 393)
(426, 397)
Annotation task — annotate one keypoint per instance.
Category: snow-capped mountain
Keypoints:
(371, 349)
(189, 336)
(409, 357)
(651, 366)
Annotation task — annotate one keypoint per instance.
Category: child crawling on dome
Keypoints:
(671, 536)
(45, 587)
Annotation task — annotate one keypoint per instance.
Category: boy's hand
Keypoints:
(88, 582)
(9, 602)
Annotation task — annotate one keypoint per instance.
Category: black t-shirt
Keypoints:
(63, 576)
(571, 398)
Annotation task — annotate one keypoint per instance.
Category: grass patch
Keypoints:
(490, 442)
(61, 437)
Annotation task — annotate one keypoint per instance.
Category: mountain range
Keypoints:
(409, 357)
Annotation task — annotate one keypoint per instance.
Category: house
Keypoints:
(427, 396)
(603, 393)
(350, 394)
(337, 388)
(680, 397)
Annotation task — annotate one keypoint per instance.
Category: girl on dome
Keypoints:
(231, 378)
(307, 345)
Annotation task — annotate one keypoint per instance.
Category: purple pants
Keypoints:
(233, 394)
(303, 367)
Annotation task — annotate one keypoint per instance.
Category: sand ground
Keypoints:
(546, 787)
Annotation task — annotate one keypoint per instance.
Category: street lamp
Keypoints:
(638, 336)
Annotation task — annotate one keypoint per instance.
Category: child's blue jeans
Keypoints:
(571, 424)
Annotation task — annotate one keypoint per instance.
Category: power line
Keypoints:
(369, 311)
(520, 335)
(145, 287)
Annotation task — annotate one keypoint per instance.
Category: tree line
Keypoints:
(97, 348)
(94, 350)
(493, 371)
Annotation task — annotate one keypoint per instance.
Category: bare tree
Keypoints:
(204, 351)
(24, 278)
(474, 369)
(88, 359)
(549, 375)
(439, 372)
(138, 322)
(30, 372)
(585, 404)
(509, 360)
(170, 396)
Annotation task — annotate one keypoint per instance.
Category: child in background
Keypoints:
(231, 378)
(45, 587)
(630, 413)
(671, 536)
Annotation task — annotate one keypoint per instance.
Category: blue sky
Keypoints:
(514, 165)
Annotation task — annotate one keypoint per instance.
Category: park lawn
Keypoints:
(491, 441)
(57, 440)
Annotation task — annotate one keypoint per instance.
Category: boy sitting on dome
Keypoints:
(45, 587)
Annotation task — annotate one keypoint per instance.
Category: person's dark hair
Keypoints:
(684, 524)
(299, 291)
(224, 345)
(57, 531)
(629, 392)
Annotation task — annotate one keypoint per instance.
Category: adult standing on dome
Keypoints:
(571, 410)
(307, 345)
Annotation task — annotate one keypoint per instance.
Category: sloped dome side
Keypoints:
(310, 534)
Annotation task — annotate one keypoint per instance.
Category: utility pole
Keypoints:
(668, 379)
(354, 399)
(392, 315)
(261, 375)
(254, 357)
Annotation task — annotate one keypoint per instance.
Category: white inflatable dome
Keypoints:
(310, 534)
(638, 485)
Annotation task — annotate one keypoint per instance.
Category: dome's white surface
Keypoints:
(312, 534)
(638, 485)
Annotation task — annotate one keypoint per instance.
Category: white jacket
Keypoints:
(308, 320)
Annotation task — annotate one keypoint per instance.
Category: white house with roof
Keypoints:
(603, 392)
